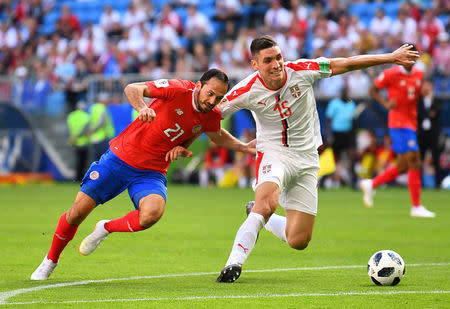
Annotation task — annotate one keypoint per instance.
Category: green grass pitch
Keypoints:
(175, 263)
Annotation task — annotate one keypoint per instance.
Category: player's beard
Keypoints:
(199, 105)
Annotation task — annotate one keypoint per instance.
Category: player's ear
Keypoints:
(254, 64)
(198, 85)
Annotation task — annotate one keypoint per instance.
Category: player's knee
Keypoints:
(149, 217)
(299, 241)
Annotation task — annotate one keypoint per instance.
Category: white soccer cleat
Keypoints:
(368, 191)
(91, 242)
(44, 270)
(422, 212)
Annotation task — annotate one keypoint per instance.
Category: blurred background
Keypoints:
(64, 65)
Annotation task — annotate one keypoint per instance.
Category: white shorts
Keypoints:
(296, 177)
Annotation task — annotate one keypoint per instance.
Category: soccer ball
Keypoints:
(386, 267)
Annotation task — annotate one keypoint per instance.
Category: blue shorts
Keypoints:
(109, 176)
(403, 140)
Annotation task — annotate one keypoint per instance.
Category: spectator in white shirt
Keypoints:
(277, 18)
(380, 24)
(198, 27)
(133, 16)
(404, 27)
(109, 19)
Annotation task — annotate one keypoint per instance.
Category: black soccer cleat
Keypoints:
(249, 206)
(230, 273)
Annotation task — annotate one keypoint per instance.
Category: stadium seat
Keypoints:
(391, 9)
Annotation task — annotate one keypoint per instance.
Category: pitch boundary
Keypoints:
(4, 296)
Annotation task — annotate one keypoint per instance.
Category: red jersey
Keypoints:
(404, 89)
(144, 145)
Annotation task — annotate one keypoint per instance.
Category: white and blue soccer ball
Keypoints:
(386, 267)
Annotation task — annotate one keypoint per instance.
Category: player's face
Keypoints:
(270, 64)
(210, 94)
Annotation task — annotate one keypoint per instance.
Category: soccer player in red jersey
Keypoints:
(139, 157)
(403, 84)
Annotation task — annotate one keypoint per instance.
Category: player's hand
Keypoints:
(178, 151)
(147, 114)
(249, 147)
(390, 104)
(404, 55)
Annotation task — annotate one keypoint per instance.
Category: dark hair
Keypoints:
(260, 43)
(414, 47)
(214, 73)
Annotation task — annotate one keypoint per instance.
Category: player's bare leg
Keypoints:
(151, 208)
(299, 228)
(65, 231)
(266, 201)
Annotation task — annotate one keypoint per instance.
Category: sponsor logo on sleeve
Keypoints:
(161, 83)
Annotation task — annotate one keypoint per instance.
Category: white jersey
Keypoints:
(286, 118)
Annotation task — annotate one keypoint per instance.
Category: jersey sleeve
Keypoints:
(383, 80)
(233, 101)
(313, 69)
(165, 88)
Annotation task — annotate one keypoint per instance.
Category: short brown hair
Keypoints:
(261, 42)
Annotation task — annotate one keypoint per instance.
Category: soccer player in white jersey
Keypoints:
(280, 96)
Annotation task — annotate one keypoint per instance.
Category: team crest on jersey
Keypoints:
(402, 82)
(179, 111)
(94, 175)
(161, 83)
(267, 168)
(196, 128)
(295, 91)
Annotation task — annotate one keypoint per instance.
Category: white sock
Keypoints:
(277, 226)
(246, 238)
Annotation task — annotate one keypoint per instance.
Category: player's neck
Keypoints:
(274, 84)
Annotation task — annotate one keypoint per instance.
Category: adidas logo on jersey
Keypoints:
(179, 111)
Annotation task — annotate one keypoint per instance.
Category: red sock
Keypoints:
(63, 234)
(128, 223)
(414, 186)
(386, 176)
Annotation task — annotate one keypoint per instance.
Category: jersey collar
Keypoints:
(404, 71)
(193, 101)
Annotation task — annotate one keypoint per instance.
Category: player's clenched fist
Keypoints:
(147, 114)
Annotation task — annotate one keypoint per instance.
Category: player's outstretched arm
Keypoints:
(224, 139)
(135, 94)
(401, 56)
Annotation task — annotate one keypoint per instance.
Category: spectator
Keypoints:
(133, 16)
(430, 27)
(441, 55)
(110, 20)
(429, 128)
(380, 24)
(198, 27)
(68, 23)
(78, 85)
(277, 18)
(384, 155)
(404, 27)
(169, 17)
(36, 90)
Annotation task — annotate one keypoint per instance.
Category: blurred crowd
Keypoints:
(158, 38)
(149, 39)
